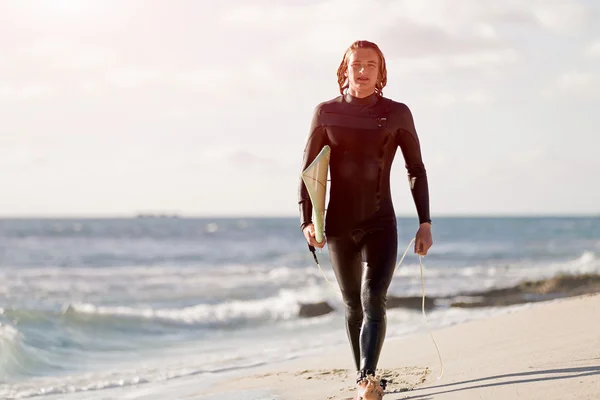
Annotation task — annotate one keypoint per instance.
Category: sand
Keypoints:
(547, 351)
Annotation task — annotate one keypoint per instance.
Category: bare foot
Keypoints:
(373, 389)
(361, 387)
(369, 389)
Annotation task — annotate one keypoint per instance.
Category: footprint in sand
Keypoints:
(398, 379)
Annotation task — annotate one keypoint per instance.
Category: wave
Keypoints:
(239, 295)
(287, 304)
(442, 281)
(177, 363)
(17, 357)
(148, 284)
(231, 314)
(98, 381)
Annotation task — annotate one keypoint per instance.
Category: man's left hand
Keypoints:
(423, 239)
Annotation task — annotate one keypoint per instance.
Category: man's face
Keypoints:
(363, 68)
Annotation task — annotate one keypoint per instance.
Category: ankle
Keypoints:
(369, 375)
(363, 373)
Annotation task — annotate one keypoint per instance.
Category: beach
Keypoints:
(548, 350)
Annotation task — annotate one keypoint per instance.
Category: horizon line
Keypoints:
(173, 215)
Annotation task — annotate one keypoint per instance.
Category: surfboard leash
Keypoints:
(312, 249)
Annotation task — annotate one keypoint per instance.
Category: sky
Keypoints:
(202, 108)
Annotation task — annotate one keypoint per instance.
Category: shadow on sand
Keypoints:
(534, 376)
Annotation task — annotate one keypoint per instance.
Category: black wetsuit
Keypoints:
(360, 224)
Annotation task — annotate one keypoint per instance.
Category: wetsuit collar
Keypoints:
(365, 101)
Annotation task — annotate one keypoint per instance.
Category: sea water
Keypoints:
(89, 307)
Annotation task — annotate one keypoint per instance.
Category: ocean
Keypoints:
(124, 308)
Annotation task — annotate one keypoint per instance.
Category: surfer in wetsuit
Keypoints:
(364, 131)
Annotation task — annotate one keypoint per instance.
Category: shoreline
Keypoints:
(548, 350)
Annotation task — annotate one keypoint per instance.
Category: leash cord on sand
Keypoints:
(422, 302)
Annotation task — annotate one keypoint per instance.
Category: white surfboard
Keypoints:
(315, 179)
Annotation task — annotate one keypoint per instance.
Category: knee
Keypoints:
(374, 302)
(354, 310)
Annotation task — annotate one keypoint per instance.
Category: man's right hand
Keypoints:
(309, 234)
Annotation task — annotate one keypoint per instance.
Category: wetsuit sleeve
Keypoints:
(317, 138)
(408, 141)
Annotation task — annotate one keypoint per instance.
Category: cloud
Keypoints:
(446, 63)
(578, 82)
(445, 99)
(436, 36)
(564, 16)
(62, 54)
(401, 25)
(228, 157)
(20, 158)
(27, 91)
(257, 48)
(457, 15)
(593, 49)
(65, 8)
(251, 77)
(452, 16)
(245, 159)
